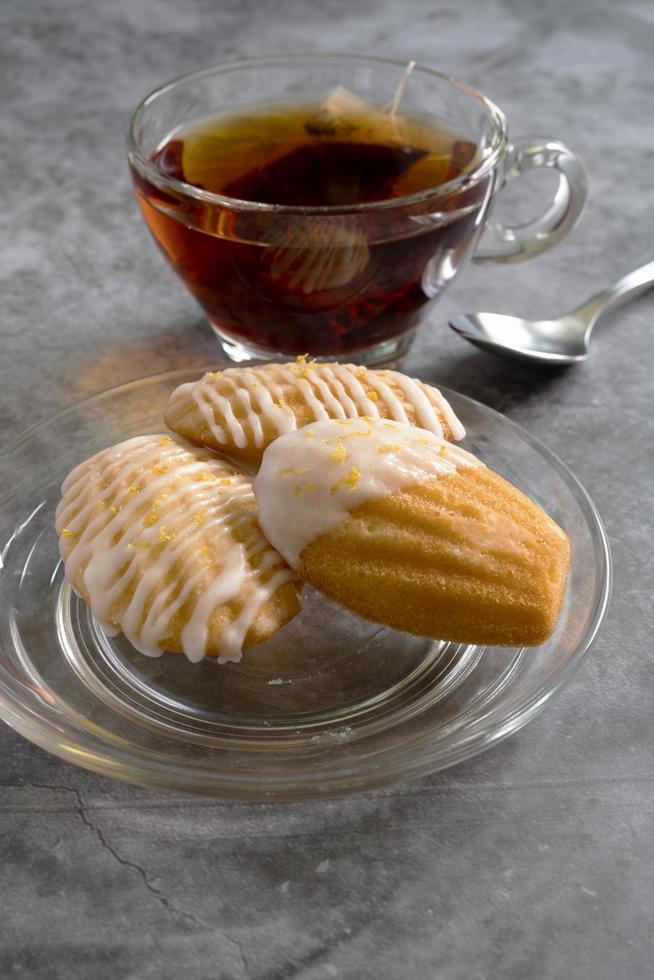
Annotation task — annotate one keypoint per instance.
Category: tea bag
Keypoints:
(342, 113)
(219, 151)
(436, 168)
(429, 154)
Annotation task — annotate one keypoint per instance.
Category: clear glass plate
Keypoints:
(330, 704)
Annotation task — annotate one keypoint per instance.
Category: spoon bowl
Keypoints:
(555, 342)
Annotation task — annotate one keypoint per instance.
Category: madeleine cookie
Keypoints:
(161, 539)
(241, 410)
(408, 530)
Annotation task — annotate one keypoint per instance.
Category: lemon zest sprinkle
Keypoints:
(354, 435)
(303, 366)
(350, 481)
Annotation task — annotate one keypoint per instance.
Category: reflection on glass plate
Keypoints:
(330, 704)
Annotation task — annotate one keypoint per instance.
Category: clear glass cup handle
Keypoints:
(503, 243)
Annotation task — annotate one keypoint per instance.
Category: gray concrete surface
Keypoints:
(535, 859)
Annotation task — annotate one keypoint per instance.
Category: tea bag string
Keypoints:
(399, 91)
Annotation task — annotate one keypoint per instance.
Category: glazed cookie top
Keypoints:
(242, 410)
(310, 480)
(165, 529)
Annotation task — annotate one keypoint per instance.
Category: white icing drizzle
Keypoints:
(158, 496)
(310, 480)
(329, 391)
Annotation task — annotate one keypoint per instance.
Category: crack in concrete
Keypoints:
(244, 961)
(127, 863)
(82, 811)
(295, 968)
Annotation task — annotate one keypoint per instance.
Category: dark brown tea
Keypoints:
(329, 282)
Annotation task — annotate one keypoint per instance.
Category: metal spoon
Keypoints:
(556, 342)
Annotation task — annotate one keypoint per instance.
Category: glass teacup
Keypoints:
(351, 274)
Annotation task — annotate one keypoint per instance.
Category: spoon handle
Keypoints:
(628, 287)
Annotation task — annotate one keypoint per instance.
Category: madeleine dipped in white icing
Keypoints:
(410, 531)
(161, 539)
(240, 411)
